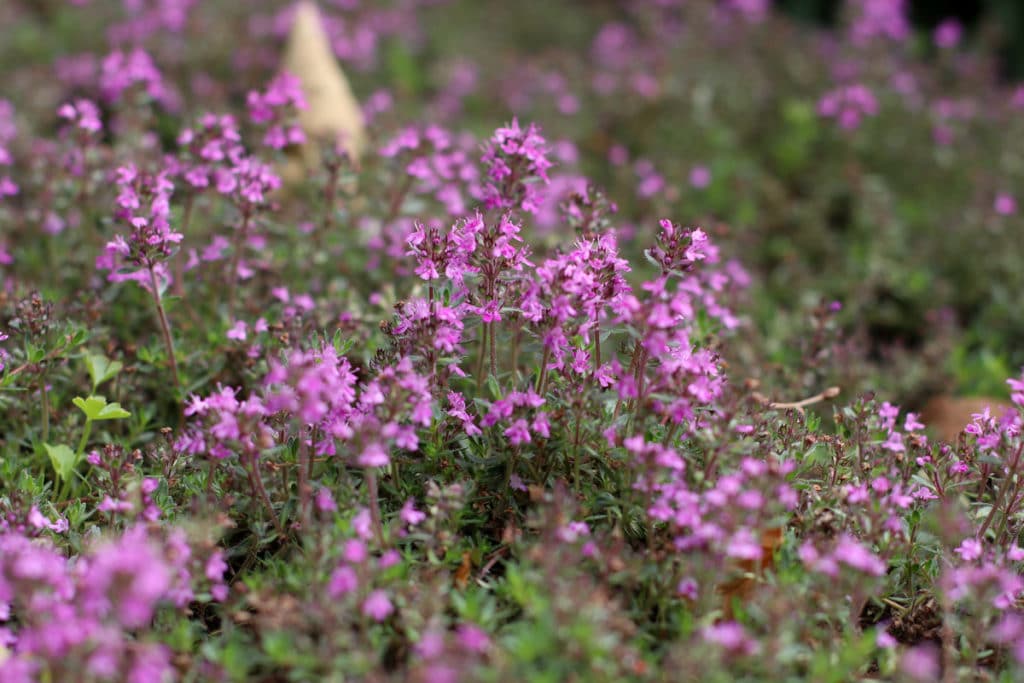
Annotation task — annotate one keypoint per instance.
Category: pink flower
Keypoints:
(970, 549)
(731, 636)
(343, 581)
(325, 501)
(473, 638)
(700, 177)
(687, 588)
(216, 566)
(238, 331)
(354, 551)
(377, 606)
(853, 554)
(374, 455)
(947, 35)
(921, 663)
(389, 559)
(894, 443)
(410, 515)
(848, 105)
(1005, 204)
(518, 433)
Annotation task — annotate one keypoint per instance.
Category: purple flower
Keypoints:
(275, 109)
(1005, 204)
(848, 105)
(325, 501)
(700, 177)
(516, 162)
(377, 606)
(238, 331)
(410, 515)
(83, 114)
(874, 19)
(374, 455)
(688, 588)
(388, 559)
(354, 551)
(894, 443)
(851, 553)
(144, 207)
(343, 581)
(518, 433)
(473, 638)
(969, 550)
(731, 636)
(216, 566)
(120, 71)
(947, 34)
(921, 663)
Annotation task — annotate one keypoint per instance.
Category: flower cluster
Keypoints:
(80, 616)
(146, 18)
(516, 162)
(122, 71)
(874, 19)
(459, 414)
(571, 295)
(848, 105)
(274, 109)
(8, 131)
(208, 153)
(438, 164)
(144, 207)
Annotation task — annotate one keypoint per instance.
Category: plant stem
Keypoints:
(1003, 525)
(179, 265)
(577, 453)
(494, 351)
(372, 492)
(65, 487)
(515, 352)
(165, 328)
(85, 438)
(482, 356)
(396, 199)
(542, 377)
(209, 477)
(1002, 492)
(257, 483)
(236, 255)
(330, 190)
(45, 407)
(303, 477)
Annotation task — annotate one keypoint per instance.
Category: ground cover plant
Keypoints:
(583, 360)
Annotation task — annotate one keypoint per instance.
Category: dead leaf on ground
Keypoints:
(742, 587)
(462, 573)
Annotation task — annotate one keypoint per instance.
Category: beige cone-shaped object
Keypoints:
(332, 112)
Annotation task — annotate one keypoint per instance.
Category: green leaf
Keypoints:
(279, 647)
(34, 353)
(63, 460)
(97, 408)
(101, 368)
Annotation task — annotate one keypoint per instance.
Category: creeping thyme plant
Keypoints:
(587, 366)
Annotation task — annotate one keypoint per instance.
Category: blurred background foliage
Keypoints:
(887, 219)
(1004, 19)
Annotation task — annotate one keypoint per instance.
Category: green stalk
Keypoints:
(45, 407)
(165, 328)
